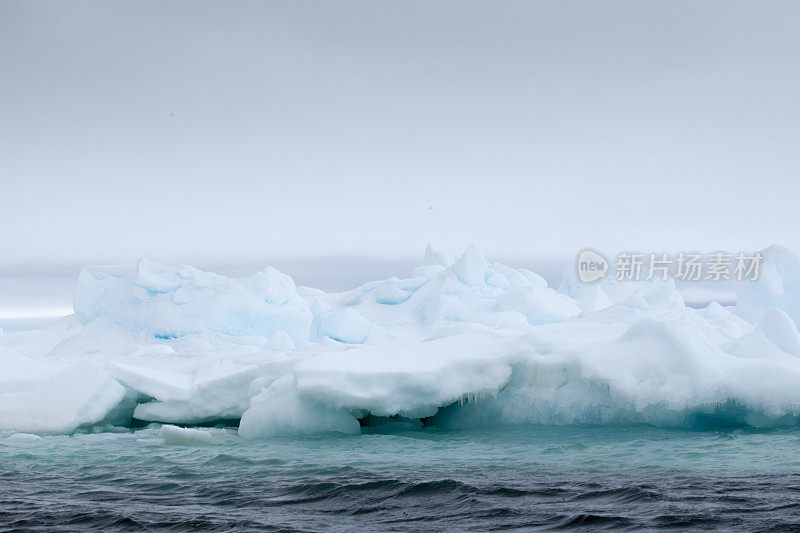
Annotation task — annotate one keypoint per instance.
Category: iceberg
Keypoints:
(459, 342)
(171, 302)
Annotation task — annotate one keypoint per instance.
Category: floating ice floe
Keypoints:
(460, 342)
(193, 436)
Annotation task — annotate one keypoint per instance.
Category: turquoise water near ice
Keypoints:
(523, 477)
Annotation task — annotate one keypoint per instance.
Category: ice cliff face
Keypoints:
(459, 342)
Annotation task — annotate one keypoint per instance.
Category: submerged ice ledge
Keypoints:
(458, 343)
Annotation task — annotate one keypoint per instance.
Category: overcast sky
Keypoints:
(239, 131)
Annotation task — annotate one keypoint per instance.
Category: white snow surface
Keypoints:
(460, 342)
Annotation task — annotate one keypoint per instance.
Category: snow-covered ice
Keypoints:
(462, 341)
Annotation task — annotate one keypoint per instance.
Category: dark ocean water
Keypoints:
(426, 480)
